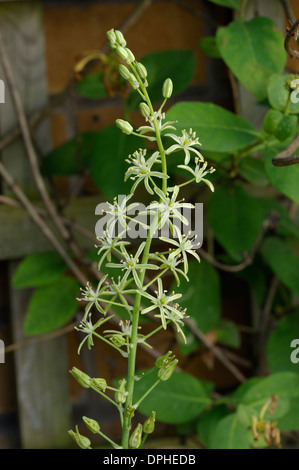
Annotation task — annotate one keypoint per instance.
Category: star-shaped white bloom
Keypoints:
(186, 143)
(141, 170)
(199, 173)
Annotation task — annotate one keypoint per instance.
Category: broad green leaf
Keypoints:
(253, 170)
(39, 269)
(208, 422)
(290, 421)
(279, 344)
(201, 295)
(51, 306)
(227, 333)
(179, 65)
(177, 400)
(254, 51)
(228, 3)
(278, 94)
(92, 86)
(283, 178)
(230, 434)
(239, 393)
(283, 384)
(71, 157)
(236, 219)
(283, 261)
(209, 47)
(107, 162)
(218, 130)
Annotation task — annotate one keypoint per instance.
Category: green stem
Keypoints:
(136, 311)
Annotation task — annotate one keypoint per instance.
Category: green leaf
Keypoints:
(254, 51)
(107, 162)
(51, 306)
(179, 65)
(177, 400)
(209, 47)
(218, 130)
(230, 434)
(201, 295)
(92, 86)
(208, 422)
(236, 219)
(253, 170)
(279, 342)
(283, 178)
(228, 3)
(283, 261)
(39, 269)
(71, 157)
(289, 422)
(278, 94)
(227, 333)
(283, 384)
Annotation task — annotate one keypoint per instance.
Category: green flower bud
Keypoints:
(83, 379)
(118, 340)
(124, 126)
(149, 424)
(135, 439)
(130, 56)
(166, 371)
(120, 396)
(121, 52)
(167, 88)
(129, 411)
(144, 110)
(133, 81)
(120, 38)
(111, 37)
(141, 70)
(82, 441)
(100, 384)
(124, 72)
(164, 360)
(91, 424)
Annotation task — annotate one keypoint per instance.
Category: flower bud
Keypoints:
(118, 340)
(133, 81)
(164, 360)
(144, 110)
(149, 424)
(124, 72)
(121, 52)
(166, 371)
(83, 379)
(124, 126)
(135, 439)
(100, 384)
(111, 37)
(141, 70)
(120, 38)
(130, 56)
(91, 424)
(167, 88)
(120, 395)
(82, 441)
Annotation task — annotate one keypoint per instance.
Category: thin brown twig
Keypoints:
(248, 260)
(285, 158)
(41, 224)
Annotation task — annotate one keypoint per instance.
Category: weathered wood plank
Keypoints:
(19, 236)
(42, 368)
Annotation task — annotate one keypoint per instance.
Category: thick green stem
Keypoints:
(136, 310)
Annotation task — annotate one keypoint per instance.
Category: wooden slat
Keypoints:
(19, 236)
(41, 369)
